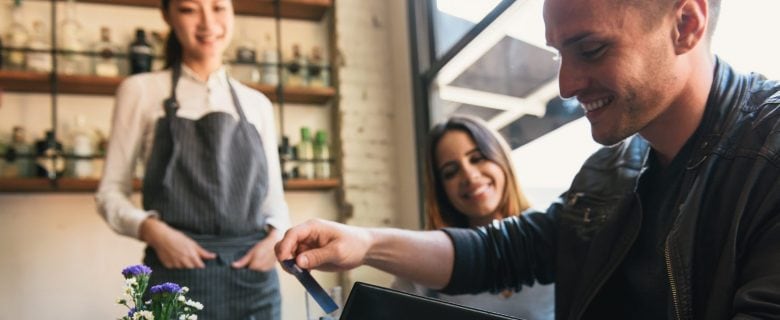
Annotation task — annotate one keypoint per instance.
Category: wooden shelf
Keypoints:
(305, 184)
(66, 185)
(35, 82)
(14, 185)
(290, 9)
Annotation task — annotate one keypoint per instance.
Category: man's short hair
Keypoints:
(654, 9)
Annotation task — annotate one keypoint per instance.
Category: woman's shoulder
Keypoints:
(254, 96)
(146, 80)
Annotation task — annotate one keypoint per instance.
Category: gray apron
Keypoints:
(208, 178)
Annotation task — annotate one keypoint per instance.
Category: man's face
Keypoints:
(618, 67)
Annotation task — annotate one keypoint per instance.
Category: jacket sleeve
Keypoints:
(757, 295)
(507, 254)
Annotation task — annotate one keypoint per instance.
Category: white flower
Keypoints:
(131, 281)
(143, 315)
(194, 304)
(185, 290)
(181, 298)
(192, 317)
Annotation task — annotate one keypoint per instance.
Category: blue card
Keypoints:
(315, 290)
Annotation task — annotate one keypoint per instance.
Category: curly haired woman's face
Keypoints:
(473, 184)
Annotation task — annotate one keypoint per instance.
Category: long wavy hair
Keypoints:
(440, 210)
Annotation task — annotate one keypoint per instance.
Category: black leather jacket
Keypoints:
(722, 254)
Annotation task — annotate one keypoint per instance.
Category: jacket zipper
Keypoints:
(672, 282)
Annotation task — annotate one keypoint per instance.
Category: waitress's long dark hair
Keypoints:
(173, 48)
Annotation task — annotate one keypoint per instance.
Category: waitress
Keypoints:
(213, 204)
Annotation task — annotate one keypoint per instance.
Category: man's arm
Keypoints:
(425, 257)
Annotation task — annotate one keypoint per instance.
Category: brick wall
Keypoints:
(374, 118)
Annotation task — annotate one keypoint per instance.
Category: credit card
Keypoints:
(315, 290)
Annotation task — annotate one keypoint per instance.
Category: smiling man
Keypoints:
(678, 217)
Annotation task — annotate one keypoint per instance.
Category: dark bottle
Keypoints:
(140, 53)
(49, 159)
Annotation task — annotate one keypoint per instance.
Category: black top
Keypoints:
(639, 288)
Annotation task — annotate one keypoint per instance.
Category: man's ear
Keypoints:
(691, 24)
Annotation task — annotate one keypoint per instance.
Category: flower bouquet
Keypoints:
(167, 302)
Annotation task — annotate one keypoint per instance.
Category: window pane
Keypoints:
(452, 19)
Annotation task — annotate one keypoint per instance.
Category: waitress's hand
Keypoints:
(261, 256)
(175, 249)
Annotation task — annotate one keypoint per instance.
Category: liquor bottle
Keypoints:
(105, 63)
(73, 59)
(270, 68)
(40, 59)
(321, 156)
(296, 68)
(49, 160)
(18, 156)
(140, 53)
(285, 156)
(319, 71)
(306, 155)
(83, 147)
(16, 37)
(245, 66)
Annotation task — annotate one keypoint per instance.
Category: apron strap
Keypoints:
(171, 104)
(237, 103)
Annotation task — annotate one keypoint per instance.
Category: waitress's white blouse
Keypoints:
(138, 107)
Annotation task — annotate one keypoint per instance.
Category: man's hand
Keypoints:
(174, 248)
(261, 256)
(325, 245)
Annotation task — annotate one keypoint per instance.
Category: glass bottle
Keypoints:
(319, 71)
(306, 155)
(285, 156)
(140, 53)
(49, 160)
(83, 148)
(70, 41)
(296, 69)
(105, 63)
(40, 59)
(321, 156)
(270, 68)
(16, 36)
(245, 66)
(18, 155)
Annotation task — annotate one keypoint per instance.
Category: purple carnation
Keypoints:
(168, 287)
(136, 270)
(131, 312)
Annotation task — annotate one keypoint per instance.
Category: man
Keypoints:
(679, 217)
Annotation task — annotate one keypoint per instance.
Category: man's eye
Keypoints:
(593, 52)
(186, 10)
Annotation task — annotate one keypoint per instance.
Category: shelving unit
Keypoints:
(42, 185)
(35, 82)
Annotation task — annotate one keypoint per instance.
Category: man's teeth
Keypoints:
(592, 106)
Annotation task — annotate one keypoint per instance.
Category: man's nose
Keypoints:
(571, 79)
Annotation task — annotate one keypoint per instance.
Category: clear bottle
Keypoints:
(40, 59)
(83, 148)
(105, 63)
(245, 66)
(319, 71)
(16, 36)
(306, 155)
(321, 156)
(140, 53)
(70, 41)
(296, 69)
(270, 69)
